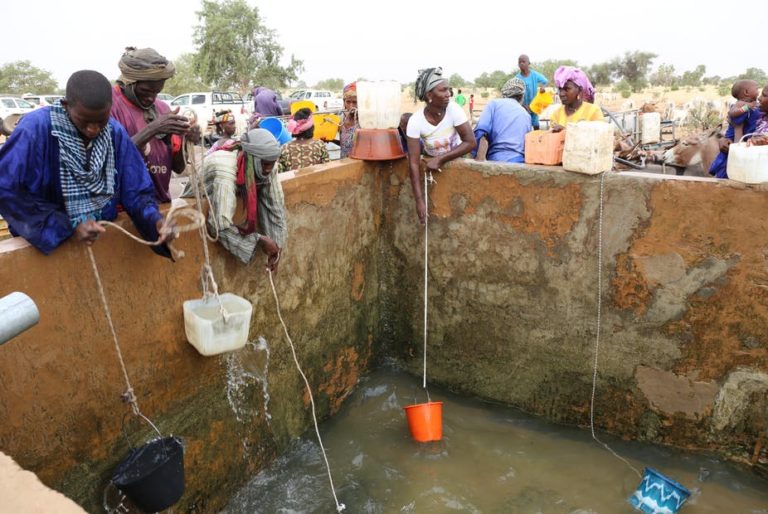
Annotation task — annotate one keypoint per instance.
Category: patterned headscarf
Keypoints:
(144, 64)
(513, 87)
(426, 81)
(350, 90)
(578, 77)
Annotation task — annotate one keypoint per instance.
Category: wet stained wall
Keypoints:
(513, 299)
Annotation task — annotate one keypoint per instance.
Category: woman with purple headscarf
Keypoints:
(576, 94)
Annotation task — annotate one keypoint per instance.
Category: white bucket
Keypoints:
(588, 147)
(206, 329)
(650, 128)
(748, 164)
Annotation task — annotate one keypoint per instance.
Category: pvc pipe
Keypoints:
(18, 312)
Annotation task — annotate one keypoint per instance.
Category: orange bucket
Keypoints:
(425, 420)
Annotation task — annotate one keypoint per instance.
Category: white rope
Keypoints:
(339, 506)
(426, 274)
(597, 336)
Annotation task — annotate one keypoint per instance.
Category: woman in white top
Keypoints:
(442, 127)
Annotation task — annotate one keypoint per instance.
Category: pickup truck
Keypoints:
(206, 104)
(324, 100)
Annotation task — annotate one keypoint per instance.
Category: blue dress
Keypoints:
(31, 200)
(749, 120)
(504, 123)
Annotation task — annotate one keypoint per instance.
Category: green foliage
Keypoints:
(600, 74)
(236, 50)
(702, 117)
(456, 80)
(21, 77)
(674, 87)
(724, 89)
(485, 94)
(186, 78)
(664, 76)
(633, 68)
(496, 79)
(755, 74)
(626, 93)
(548, 67)
(693, 78)
(336, 84)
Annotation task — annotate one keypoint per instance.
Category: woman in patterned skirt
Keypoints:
(303, 151)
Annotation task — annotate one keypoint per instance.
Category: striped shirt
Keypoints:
(220, 171)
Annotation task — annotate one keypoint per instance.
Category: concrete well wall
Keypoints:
(512, 307)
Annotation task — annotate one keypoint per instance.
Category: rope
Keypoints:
(426, 275)
(339, 506)
(597, 336)
(128, 396)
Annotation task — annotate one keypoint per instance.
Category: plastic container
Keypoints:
(544, 147)
(18, 313)
(152, 475)
(326, 126)
(650, 128)
(206, 328)
(378, 104)
(658, 494)
(747, 163)
(588, 147)
(334, 151)
(277, 129)
(377, 145)
(425, 421)
(302, 104)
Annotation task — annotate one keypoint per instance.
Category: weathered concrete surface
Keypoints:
(60, 382)
(514, 285)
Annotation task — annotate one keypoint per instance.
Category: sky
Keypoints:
(385, 39)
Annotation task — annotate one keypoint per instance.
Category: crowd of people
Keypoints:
(107, 147)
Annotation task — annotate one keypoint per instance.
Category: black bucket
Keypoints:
(152, 475)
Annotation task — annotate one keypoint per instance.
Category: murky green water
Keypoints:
(491, 459)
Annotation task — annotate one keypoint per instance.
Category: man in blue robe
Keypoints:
(68, 166)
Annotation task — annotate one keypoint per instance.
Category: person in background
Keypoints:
(461, 99)
(442, 127)
(68, 166)
(742, 119)
(302, 151)
(534, 82)
(471, 104)
(504, 124)
(150, 122)
(265, 102)
(225, 127)
(247, 166)
(349, 123)
(573, 86)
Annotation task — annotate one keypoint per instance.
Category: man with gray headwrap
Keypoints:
(156, 131)
(504, 124)
(262, 194)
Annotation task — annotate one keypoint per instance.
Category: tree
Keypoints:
(600, 73)
(693, 78)
(21, 77)
(548, 67)
(331, 84)
(236, 50)
(186, 78)
(633, 67)
(664, 76)
(755, 74)
(456, 80)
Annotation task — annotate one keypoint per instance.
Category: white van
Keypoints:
(206, 104)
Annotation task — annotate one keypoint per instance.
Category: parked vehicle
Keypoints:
(165, 98)
(284, 103)
(41, 100)
(11, 111)
(324, 100)
(206, 104)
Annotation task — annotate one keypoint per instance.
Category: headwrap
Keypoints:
(566, 73)
(144, 64)
(257, 145)
(350, 90)
(87, 184)
(298, 126)
(513, 87)
(426, 81)
(224, 117)
(254, 120)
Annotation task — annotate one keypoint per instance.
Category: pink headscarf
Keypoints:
(297, 127)
(566, 73)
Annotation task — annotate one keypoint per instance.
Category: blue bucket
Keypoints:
(658, 494)
(277, 129)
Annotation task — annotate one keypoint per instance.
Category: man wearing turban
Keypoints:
(156, 131)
